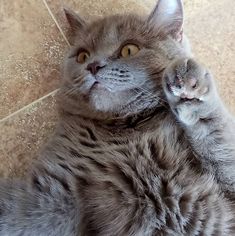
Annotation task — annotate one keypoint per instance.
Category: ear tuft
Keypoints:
(75, 22)
(167, 16)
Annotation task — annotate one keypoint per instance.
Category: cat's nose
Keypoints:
(94, 67)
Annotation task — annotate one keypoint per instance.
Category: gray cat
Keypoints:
(144, 145)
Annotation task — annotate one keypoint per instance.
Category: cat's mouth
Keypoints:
(100, 84)
(97, 85)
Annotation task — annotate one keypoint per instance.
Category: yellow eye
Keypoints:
(82, 57)
(129, 50)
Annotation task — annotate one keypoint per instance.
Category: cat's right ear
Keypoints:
(76, 23)
(168, 18)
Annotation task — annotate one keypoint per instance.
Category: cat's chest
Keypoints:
(143, 177)
(144, 159)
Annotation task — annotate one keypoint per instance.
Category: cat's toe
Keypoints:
(186, 79)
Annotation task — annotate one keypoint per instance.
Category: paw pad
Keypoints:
(186, 79)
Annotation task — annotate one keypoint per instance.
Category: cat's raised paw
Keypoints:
(186, 80)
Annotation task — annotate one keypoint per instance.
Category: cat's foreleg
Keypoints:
(193, 98)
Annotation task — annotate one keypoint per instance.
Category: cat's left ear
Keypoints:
(76, 23)
(167, 17)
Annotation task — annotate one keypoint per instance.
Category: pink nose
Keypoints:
(94, 67)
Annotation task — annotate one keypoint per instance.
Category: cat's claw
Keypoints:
(186, 79)
(188, 86)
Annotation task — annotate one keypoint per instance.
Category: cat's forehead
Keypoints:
(111, 32)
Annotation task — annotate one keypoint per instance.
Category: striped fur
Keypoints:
(124, 159)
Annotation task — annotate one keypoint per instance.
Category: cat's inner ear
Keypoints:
(168, 18)
(76, 23)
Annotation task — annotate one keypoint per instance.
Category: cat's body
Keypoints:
(143, 167)
(146, 181)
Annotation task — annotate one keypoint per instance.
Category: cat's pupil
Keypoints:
(129, 51)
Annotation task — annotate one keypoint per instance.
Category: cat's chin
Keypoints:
(101, 100)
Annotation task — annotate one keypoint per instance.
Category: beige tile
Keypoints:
(90, 10)
(22, 136)
(210, 26)
(31, 49)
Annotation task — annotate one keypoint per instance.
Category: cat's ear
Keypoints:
(76, 23)
(168, 17)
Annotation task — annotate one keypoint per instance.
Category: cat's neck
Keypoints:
(133, 121)
(147, 120)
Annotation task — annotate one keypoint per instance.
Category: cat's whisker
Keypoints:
(78, 79)
(71, 91)
(153, 96)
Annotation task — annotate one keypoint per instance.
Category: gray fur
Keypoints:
(148, 151)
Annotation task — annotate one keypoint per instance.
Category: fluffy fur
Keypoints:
(143, 147)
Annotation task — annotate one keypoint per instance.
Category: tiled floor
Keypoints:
(32, 48)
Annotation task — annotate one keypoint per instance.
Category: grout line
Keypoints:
(51, 93)
(56, 22)
(29, 105)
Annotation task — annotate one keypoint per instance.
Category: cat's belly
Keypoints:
(147, 188)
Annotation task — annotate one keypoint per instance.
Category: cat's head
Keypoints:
(115, 65)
